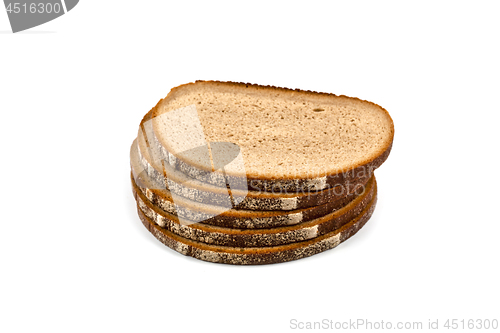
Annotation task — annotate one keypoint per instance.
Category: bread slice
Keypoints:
(256, 237)
(290, 140)
(181, 185)
(258, 255)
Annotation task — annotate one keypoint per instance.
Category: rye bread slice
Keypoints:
(180, 184)
(289, 139)
(256, 237)
(258, 255)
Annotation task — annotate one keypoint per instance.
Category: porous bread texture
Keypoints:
(283, 134)
(258, 255)
(255, 237)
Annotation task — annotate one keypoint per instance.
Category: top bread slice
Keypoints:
(288, 139)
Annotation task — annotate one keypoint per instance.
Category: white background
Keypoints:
(74, 256)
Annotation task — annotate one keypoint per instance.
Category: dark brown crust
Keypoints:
(262, 255)
(257, 200)
(366, 167)
(209, 234)
(232, 218)
(337, 192)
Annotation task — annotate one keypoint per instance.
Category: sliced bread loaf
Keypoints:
(222, 216)
(182, 185)
(192, 211)
(290, 140)
(258, 255)
(256, 237)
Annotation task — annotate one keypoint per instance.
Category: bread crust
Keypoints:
(253, 200)
(258, 255)
(255, 237)
(268, 182)
(237, 218)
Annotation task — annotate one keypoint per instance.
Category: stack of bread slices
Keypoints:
(245, 174)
